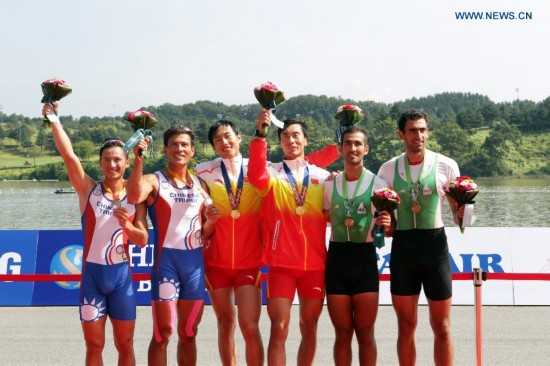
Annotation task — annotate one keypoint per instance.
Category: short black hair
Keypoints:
(411, 115)
(112, 142)
(354, 129)
(178, 130)
(218, 124)
(289, 122)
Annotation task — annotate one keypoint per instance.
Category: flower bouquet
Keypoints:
(270, 97)
(53, 91)
(463, 190)
(348, 115)
(142, 122)
(384, 199)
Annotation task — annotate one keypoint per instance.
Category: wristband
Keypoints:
(53, 118)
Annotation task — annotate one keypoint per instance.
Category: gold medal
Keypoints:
(349, 222)
(235, 214)
(300, 210)
(415, 207)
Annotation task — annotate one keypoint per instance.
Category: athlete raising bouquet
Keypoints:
(108, 223)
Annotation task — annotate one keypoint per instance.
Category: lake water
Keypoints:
(503, 202)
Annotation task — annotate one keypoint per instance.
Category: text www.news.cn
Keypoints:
(493, 15)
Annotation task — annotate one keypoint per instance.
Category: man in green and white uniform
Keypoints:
(352, 280)
(420, 254)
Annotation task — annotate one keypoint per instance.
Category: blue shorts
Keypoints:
(107, 290)
(178, 275)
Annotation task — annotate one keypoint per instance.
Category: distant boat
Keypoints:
(65, 190)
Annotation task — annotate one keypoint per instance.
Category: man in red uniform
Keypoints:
(292, 193)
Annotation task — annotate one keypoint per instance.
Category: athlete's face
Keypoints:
(226, 143)
(415, 135)
(179, 149)
(354, 148)
(114, 162)
(293, 142)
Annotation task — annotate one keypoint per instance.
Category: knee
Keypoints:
(226, 323)
(309, 324)
(407, 325)
(441, 328)
(343, 334)
(250, 330)
(279, 329)
(162, 335)
(95, 345)
(365, 334)
(124, 344)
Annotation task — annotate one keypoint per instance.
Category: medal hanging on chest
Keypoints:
(349, 202)
(414, 187)
(234, 197)
(115, 202)
(299, 197)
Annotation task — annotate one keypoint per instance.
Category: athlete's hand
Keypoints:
(212, 213)
(141, 146)
(333, 175)
(263, 119)
(47, 108)
(121, 214)
(458, 211)
(383, 219)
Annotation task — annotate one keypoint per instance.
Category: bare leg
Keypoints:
(249, 303)
(189, 317)
(123, 334)
(278, 309)
(223, 304)
(406, 308)
(164, 318)
(94, 336)
(310, 310)
(440, 320)
(340, 309)
(365, 309)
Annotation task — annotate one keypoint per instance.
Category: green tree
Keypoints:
(84, 149)
(454, 142)
(383, 142)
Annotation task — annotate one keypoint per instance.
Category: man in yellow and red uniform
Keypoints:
(292, 192)
(233, 255)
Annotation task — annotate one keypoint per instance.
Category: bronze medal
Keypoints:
(235, 214)
(349, 222)
(415, 207)
(300, 211)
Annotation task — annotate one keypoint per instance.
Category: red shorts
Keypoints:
(217, 278)
(283, 282)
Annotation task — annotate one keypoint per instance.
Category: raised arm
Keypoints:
(140, 186)
(257, 163)
(81, 182)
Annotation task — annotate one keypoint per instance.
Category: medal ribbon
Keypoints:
(234, 198)
(116, 197)
(347, 201)
(178, 177)
(414, 186)
(299, 197)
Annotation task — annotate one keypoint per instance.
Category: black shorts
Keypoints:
(420, 258)
(351, 269)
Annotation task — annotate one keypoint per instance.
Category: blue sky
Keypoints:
(119, 55)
